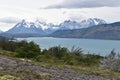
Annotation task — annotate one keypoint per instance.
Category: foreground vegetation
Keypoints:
(58, 54)
(60, 57)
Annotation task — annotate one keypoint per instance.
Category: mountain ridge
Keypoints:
(38, 28)
(104, 31)
(69, 24)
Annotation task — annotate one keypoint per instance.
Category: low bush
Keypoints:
(28, 50)
(111, 61)
(57, 54)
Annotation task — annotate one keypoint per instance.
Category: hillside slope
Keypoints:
(105, 31)
(27, 70)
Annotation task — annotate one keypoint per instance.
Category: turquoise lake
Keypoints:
(102, 47)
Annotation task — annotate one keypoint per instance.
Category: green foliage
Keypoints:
(63, 55)
(46, 57)
(96, 71)
(28, 50)
(8, 45)
(7, 53)
(91, 59)
(23, 49)
(76, 51)
(69, 59)
(57, 54)
(60, 56)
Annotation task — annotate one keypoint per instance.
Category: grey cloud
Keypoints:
(86, 4)
(9, 20)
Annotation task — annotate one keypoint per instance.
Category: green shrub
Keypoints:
(76, 51)
(58, 51)
(8, 45)
(69, 59)
(28, 50)
(91, 59)
(57, 54)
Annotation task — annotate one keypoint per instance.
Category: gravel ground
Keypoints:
(9, 65)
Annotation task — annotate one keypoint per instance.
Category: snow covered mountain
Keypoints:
(69, 24)
(39, 28)
(47, 28)
(26, 28)
(91, 22)
(31, 29)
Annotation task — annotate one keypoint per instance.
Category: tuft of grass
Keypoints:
(27, 74)
(7, 53)
(55, 63)
(96, 71)
(42, 75)
(9, 77)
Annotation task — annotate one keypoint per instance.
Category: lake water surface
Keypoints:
(102, 47)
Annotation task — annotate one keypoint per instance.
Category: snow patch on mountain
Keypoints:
(43, 28)
(24, 27)
(69, 24)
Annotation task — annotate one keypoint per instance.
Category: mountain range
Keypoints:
(38, 28)
(30, 29)
(24, 27)
(103, 31)
(90, 28)
(69, 24)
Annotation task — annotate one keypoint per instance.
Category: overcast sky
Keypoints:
(56, 11)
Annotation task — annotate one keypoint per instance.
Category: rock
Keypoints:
(28, 69)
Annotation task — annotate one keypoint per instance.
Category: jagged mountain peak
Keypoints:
(23, 21)
(91, 22)
(70, 24)
(27, 24)
(96, 21)
(25, 27)
(40, 27)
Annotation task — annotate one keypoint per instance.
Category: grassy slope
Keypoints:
(81, 69)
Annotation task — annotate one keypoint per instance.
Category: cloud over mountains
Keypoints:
(9, 20)
(86, 4)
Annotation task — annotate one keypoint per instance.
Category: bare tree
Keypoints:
(112, 61)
